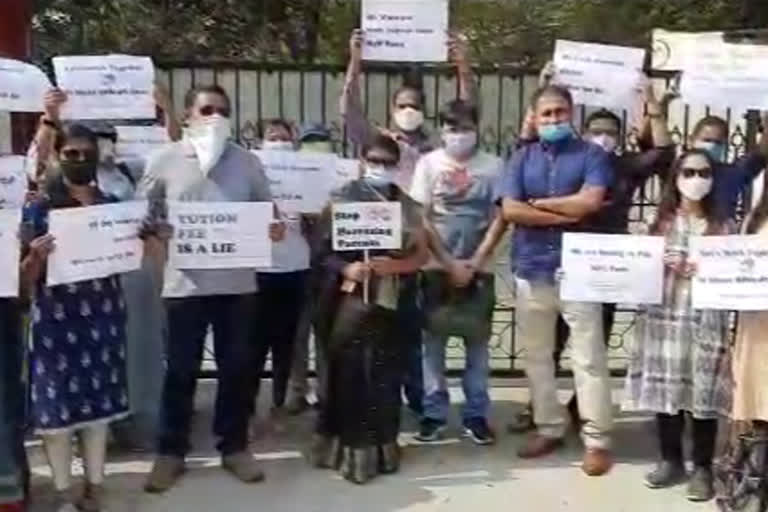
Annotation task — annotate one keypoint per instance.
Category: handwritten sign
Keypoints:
(624, 269)
(583, 68)
(9, 252)
(365, 226)
(220, 235)
(106, 86)
(95, 241)
(299, 182)
(13, 181)
(138, 142)
(731, 272)
(22, 86)
(404, 30)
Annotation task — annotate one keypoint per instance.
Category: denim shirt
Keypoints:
(541, 170)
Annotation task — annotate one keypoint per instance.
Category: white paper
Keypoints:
(621, 269)
(13, 181)
(367, 226)
(347, 169)
(670, 48)
(405, 31)
(138, 142)
(299, 181)
(95, 241)
(731, 272)
(598, 74)
(9, 252)
(22, 86)
(220, 235)
(106, 86)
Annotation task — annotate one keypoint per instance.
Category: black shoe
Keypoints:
(431, 430)
(701, 488)
(477, 429)
(666, 474)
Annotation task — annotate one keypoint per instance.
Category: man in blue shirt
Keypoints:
(550, 186)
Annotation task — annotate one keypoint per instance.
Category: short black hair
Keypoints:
(551, 90)
(276, 122)
(711, 121)
(603, 114)
(74, 131)
(456, 111)
(410, 88)
(194, 92)
(381, 141)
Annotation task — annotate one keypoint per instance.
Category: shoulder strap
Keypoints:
(123, 168)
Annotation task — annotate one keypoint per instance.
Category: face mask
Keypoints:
(378, 175)
(694, 188)
(277, 145)
(208, 137)
(716, 150)
(607, 142)
(408, 119)
(106, 151)
(459, 145)
(79, 173)
(555, 132)
(321, 146)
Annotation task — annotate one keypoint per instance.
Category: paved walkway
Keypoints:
(454, 477)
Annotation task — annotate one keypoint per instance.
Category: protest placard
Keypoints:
(404, 30)
(22, 86)
(106, 86)
(624, 269)
(731, 272)
(138, 142)
(95, 241)
(367, 226)
(347, 169)
(299, 181)
(220, 235)
(583, 68)
(9, 252)
(13, 181)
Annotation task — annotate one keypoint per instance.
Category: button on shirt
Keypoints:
(540, 171)
(173, 173)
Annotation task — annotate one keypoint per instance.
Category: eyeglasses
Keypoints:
(385, 162)
(209, 110)
(690, 173)
(78, 155)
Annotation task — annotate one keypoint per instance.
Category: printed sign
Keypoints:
(95, 241)
(22, 86)
(106, 86)
(13, 181)
(138, 142)
(367, 226)
(220, 235)
(404, 30)
(731, 272)
(9, 252)
(624, 269)
(299, 181)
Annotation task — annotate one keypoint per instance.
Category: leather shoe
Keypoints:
(539, 446)
(597, 462)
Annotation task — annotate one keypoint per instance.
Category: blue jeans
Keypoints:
(474, 381)
(411, 319)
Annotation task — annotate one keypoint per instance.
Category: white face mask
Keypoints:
(607, 142)
(694, 188)
(459, 144)
(277, 145)
(379, 175)
(106, 151)
(408, 119)
(208, 137)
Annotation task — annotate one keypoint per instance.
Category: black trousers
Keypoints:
(670, 432)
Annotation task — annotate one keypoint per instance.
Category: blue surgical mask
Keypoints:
(555, 132)
(379, 175)
(716, 150)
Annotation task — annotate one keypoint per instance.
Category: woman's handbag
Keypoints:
(464, 312)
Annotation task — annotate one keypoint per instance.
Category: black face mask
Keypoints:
(79, 173)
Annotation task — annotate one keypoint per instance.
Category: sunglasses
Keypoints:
(702, 173)
(78, 155)
(209, 110)
(386, 162)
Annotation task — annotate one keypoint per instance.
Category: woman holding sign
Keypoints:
(678, 363)
(77, 359)
(358, 319)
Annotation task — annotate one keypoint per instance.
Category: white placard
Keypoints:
(9, 252)
(731, 272)
(599, 74)
(220, 235)
(13, 181)
(405, 31)
(670, 48)
(5, 132)
(347, 169)
(367, 226)
(138, 142)
(106, 86)
(299, 181)
(621, 269)
(22, 86)
(95, 241)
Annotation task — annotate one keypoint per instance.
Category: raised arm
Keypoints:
(350, 105)
(170, 121)
(46, 131)
(458, 52)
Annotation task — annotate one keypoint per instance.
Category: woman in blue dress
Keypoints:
(77, 358)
